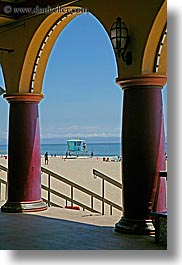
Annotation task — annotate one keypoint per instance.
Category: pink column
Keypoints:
(24, 163)
(143, 150)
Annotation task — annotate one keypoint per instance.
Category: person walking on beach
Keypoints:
(92, 153)
(46, 158)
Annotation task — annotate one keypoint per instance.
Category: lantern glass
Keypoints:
(114, 42)
(113, 33)
(123, 43)
(124, 32)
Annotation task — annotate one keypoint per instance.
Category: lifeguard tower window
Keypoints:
(77, 143)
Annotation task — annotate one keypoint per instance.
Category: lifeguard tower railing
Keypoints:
(53, 196)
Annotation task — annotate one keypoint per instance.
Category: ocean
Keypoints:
(99, 149)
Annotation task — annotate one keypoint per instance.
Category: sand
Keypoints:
(80, 171)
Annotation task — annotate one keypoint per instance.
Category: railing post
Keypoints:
(71, 195)
(102, 196)
(110, 209)
(6, 192)
(92, 202)
(49, 187)
(0, 190)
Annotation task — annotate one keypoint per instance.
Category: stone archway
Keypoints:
(142, 126)
(155, 54)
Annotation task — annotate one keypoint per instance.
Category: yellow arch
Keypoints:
(53, 24)
(49, 29)
(153, 42)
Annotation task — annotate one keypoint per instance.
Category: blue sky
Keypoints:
(81, 98)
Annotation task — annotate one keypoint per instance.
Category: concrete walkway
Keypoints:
(65, 229)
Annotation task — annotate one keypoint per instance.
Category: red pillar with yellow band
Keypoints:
(24, 160)
(143, 150)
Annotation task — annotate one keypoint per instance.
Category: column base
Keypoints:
(135, 227)
(19, 207)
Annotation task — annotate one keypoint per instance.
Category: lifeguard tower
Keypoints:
(76, 147)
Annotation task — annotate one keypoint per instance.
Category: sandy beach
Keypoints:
(80, 171)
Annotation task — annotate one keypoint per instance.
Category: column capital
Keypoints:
(23, 97)
(142, 80)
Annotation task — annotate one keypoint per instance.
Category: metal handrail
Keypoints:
(104, 178)
(73, 186)
(3, 168)
(108, 179)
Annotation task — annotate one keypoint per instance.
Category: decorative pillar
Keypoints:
(143, 150)
(24, 161)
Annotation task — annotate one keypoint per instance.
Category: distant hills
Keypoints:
(87, 139)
